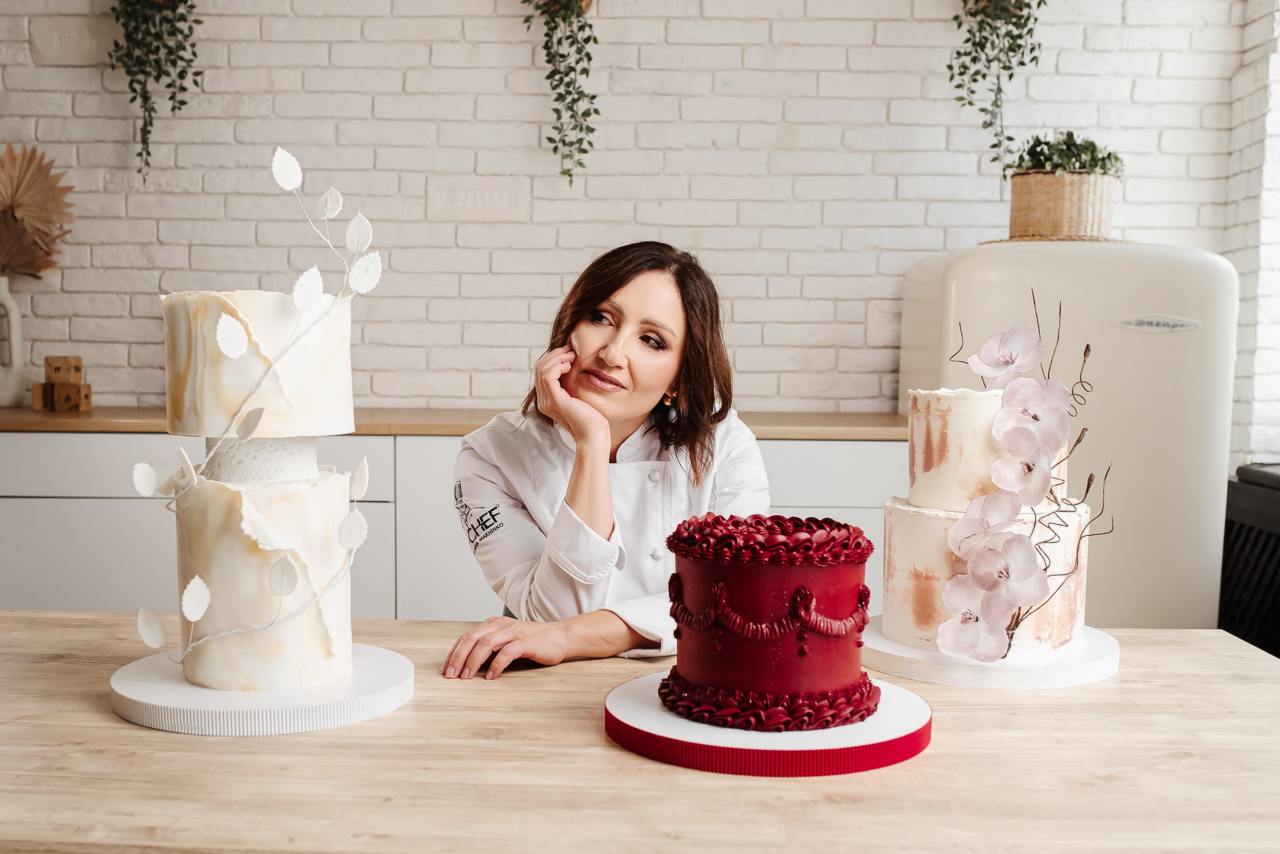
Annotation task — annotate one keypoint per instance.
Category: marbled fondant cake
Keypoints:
(956, 517)
(769, 613)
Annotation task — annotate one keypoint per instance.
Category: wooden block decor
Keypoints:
(63, 369)
(62, 397)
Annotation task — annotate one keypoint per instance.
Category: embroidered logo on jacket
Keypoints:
(479, 524)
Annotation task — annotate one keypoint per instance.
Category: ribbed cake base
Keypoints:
(151, 692)
(636, 720)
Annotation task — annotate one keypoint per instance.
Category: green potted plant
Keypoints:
(157, 46)
(1062, 189)
(999, 38)
(566, 47)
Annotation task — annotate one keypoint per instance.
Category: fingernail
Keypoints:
(489, 675)
(466, 673)
(448, 674)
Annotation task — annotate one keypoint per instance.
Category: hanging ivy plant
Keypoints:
(566, 41)
(158, 47)
(999, 38)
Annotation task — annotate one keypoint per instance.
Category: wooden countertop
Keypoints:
(1178, 752)
(391, 421)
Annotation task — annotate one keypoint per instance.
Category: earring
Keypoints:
(669, 401)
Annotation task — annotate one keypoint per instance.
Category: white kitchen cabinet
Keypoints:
(78, 537)
(438, 578)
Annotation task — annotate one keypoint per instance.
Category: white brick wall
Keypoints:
(808, 151)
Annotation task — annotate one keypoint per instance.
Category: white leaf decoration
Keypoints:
(366, 272)
(353, 531)
(330, 203)
(359, 234)
(144, 479)
(282, 577)
(150, 628)
(308, 290)
(249, 423)
(233, 341)
(186, 475)
(195, 599)
(360, 480)
(285, 169)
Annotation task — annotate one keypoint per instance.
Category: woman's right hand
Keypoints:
(581, 419)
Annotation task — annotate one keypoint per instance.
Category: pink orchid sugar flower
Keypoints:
(1025, 472)
(985, 515)
(1008, 355)
(977, 630)
(1040, 406)
(1009, 566)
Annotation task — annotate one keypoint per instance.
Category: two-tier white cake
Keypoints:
(262, 499)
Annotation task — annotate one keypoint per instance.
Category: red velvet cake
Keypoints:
(769, 616)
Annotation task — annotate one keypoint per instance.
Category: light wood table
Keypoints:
(1180, 751)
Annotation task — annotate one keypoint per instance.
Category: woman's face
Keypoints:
(636, 338)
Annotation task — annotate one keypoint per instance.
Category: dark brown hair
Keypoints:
(704, 386)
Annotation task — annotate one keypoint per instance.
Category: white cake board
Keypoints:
(152, 692)
(1091, 657)
(899, 729)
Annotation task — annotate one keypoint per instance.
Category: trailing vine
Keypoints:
(567, 37)
(158, 46)
(999, 39)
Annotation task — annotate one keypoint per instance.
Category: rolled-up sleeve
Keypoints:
(547, 577)
(651, 617)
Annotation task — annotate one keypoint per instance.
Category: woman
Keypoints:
(567, 509)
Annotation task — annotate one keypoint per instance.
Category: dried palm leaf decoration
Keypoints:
(34, 211)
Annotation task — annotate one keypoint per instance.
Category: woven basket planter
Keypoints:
(1061, 206)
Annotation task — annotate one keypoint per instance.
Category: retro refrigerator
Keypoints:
(1160, 322)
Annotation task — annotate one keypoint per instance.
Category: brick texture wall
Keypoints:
(808, 151)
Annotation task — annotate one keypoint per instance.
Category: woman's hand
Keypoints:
(545, 643)
(581, 419)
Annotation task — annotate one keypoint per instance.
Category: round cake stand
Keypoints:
(152, 692)
(898, 730)
(1091, 657)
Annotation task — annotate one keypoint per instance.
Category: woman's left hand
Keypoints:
(506, 639)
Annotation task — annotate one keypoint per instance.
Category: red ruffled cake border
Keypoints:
(750, 710)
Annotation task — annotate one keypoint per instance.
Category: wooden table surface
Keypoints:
(394, 421)
(1180, 751)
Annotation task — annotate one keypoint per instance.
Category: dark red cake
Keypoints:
(769, 615)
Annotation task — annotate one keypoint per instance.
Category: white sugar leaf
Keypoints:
(353, 530)
(233, 341)
(144, 479)
(186, 475)
(166, 478)
(330, 203)
(360, 480)
(285, 169)
(195, 599)
(359, 234)
(366, 272)
(308, 290)
(249, 423)
(282, 577)
(150, 628)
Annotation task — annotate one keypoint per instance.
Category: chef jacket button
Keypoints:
(656, 554)
(655, 475)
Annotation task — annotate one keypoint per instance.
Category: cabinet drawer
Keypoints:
(120, 554)
(100, 465)
(834, 474)
(439, 578)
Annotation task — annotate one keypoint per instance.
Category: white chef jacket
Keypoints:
(545, 563)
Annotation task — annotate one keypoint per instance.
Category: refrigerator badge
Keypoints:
(1157, 323)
